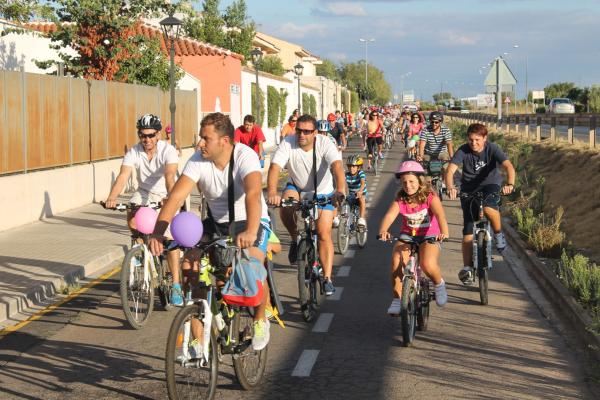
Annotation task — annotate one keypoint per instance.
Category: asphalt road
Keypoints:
(504, 350)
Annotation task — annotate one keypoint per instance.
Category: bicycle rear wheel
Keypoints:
(187, 377)
(482, 271)
(249, 364)
(343, 234)
(439, 189)
(137, 294)
(423, 308)
(408, 311)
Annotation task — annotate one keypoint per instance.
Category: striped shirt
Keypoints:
(353, 181)
(435, 143)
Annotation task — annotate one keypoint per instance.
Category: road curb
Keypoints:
(42, 295)
(558, 295)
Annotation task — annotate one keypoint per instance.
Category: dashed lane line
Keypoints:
(305, 363)
(343, 271)
(337, 295)
(322, 324)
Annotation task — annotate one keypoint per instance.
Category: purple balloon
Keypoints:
(145, 219)
(187, 229)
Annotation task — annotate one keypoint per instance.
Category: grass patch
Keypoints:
(70, 288)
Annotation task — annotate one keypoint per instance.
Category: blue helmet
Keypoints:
(323, 126)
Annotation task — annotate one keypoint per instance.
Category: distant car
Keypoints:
(561, 105)
(464, 111)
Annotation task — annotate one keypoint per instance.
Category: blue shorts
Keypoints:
(329, 206)
(404, 237)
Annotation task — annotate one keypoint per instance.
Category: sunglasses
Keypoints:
(435, 122)
(304, 132)
(148, 136)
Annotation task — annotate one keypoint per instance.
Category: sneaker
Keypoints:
(441, 295)
(328, 287)
(500, 242)
(361, 222)
(466, 275)
(394, 308)
(261, 335)
(194, 351)
(336, 221)
(176, 295)
(293, 254)
(136, 262)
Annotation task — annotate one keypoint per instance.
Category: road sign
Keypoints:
(507, 100)
(538, 95)
(486, 100)
(408, 96)
(507, 79)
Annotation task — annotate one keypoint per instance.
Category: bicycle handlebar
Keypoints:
(124, 206)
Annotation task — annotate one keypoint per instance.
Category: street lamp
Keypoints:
(256, 55)
(366, 42)
(322, 97)
(171, 27)
(298, 68)
(516, 46)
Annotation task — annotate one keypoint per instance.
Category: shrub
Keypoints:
(547, 238)
(272, 64)
(583, 279)
(272, 106)
(283, 94)
(312, 106)
(258, 110)
(305, 104)
(354, 102)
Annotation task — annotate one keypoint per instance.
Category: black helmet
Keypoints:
(436, 116)
(149, 121)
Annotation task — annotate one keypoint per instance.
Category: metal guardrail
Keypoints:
(540, 126)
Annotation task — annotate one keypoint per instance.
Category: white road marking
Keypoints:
(350, 254)
(337, 295)
(322, 324)
(343, 272)
(305, 363)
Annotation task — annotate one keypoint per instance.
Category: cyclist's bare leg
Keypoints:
(288, 214)
(363, 206)
(173, 261)
(400, 256)
(189, 271)
(467, 250)
(429, 260)
(131, 225)
(494, 218)
(325, 241)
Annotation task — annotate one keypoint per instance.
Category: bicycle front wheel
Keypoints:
(482, 271)
(249, 364)
(423, 307)
(343, 235)
(304, 282)
(408, 311)
(137, 291)
(189, 376)
(376, 165)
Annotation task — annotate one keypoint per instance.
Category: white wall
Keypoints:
(26, 198)
(19, 50)
(190, 82)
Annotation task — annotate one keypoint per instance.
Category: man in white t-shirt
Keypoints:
(296, 153)
(209, 170)
(155, 162)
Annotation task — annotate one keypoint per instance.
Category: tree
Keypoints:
(24, 10)
(328, 69)
(354, 102)
(213, 24)
(305, 103)
(273, 100)
(594, 98)
(283, 94)
(353, 76)
(560, 89)
(240, 30)
(258, 110)
(440, 98)
(103, 34)
(312, 105)
(271, 64)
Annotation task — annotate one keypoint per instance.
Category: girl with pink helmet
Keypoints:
(422, 220)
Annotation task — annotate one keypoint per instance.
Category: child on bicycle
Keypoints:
(356, 179)
(423, 221)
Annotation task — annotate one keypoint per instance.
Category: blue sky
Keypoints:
(443, 43)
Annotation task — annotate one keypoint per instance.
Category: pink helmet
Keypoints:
(410, 166)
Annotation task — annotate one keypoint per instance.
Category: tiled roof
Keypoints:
(183, 46)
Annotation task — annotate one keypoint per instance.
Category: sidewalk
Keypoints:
(39, 259)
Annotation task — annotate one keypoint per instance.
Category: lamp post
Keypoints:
(516, 46)
(298, 68)
(322, 97)
(171, 27)
(366, 42)
(256, 55)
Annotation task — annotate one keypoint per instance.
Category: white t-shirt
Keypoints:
(213, 182)
(299, 163)
(151, 173)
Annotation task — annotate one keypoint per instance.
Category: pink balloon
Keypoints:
(145, 219)
(187, 229)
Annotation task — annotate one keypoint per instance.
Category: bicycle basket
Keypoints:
(435, 167)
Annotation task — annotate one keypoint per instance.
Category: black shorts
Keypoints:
(371, 141)
(470, 207)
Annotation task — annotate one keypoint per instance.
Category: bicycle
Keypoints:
(141, 273)
(388, 138)
(435, 169)
(348, 227)
(482, 243)
(373, 154)
(417, 293)
(192, 368)
(310, 272)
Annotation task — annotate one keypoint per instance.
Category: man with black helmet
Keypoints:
(156, 164)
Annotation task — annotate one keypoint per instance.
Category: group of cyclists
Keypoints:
(311, 152)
